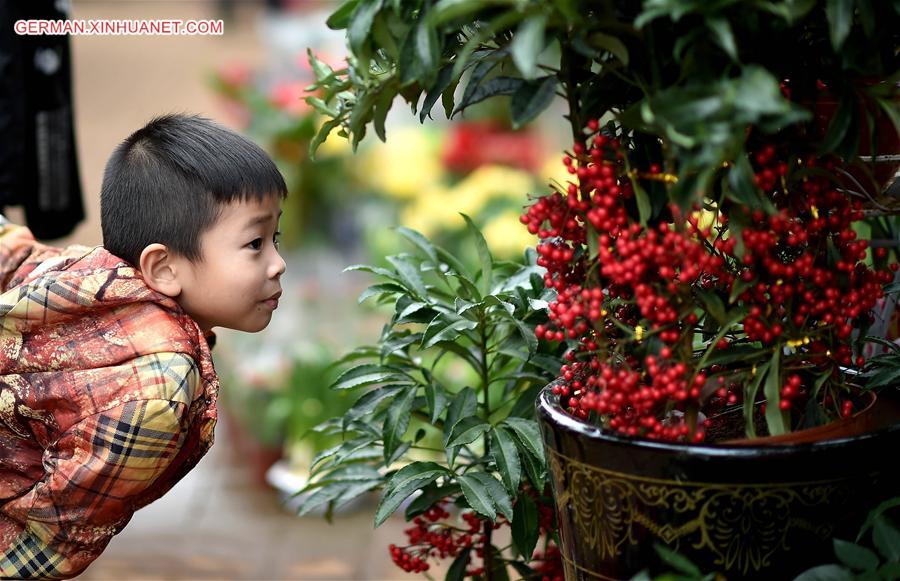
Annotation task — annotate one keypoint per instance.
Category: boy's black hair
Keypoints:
(167, 181)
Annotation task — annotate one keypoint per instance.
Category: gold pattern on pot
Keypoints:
(741, 525)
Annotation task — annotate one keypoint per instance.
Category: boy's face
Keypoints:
(237, 282)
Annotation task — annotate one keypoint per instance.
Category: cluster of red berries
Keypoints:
(435, 536)
(548, 564)
(792, 287)
(798, 272)
(656, 268)
(431, 537)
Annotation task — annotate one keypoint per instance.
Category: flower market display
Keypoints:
(707, 276)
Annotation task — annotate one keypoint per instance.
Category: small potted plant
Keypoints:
(712, 286)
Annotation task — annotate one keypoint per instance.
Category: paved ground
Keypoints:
(218, 523)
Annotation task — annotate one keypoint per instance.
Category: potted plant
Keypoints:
(710, 281)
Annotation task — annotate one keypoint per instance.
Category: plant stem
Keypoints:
(488, 552)
(570, 65)
(485, 386)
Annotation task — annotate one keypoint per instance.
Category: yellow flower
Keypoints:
(554, 172)
(506, 236)
(404, 165)
(472, 194)
(432, 210)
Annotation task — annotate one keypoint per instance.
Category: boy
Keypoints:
(107, 388)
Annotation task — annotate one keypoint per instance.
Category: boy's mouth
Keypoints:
(272, 301)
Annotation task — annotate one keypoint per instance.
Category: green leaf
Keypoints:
(382, 106)
(530, 98)
(457, 571)
(840, 18)
(525, 529)
(825, 573)
(525, 332)
(361, 23)
(528, 436)
(428, 50)
(491, 88)
(396, 424)
(742, 188)
(535, 468)
(889, 570)
(839, 126)
(440, 329)
(448, 97)
(370, 400)
(495, 301)
(320, 496)
(643, 201)
(714, 305)
(444, 80)
(484, 254)
(436, 398)
(776, 418)
(320, 69)
(404, 482)
(340, 18)
(723, 35)
(677, 561)
(610, 44)
(464, 405)
(485, 494)
(467, 430)
(430, 495)
(524, 570)
(369, 268)
(410, 309)
(367, 374)
(854, 556)
(886, 538)
(448, 10)
(378, 290)
(409, 275)
(321, 136)
(876, 513)
(506, 456)
(527, 44)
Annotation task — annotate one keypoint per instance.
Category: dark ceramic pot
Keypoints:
(749, 512)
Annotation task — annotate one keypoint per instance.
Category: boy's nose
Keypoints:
(278, 266)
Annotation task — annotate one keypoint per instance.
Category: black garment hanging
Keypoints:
(38, 162)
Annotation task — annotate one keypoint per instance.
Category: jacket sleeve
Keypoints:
(16, 245)
(98, 473)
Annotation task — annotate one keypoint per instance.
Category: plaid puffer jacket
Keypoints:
(107, 399)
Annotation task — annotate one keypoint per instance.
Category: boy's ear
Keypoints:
(159, 267)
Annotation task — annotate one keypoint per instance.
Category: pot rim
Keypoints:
(548, 404)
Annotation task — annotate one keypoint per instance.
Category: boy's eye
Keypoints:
(275, 238)
(256, 244)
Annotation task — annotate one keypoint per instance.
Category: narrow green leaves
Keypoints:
(527, 44)
(506, 456)
(776, 418)
(367, 374)
(396, 424)
(525, 526)
(840, 19)
(530, 98)
(407, 480)
(485, 495)
(484, 255)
